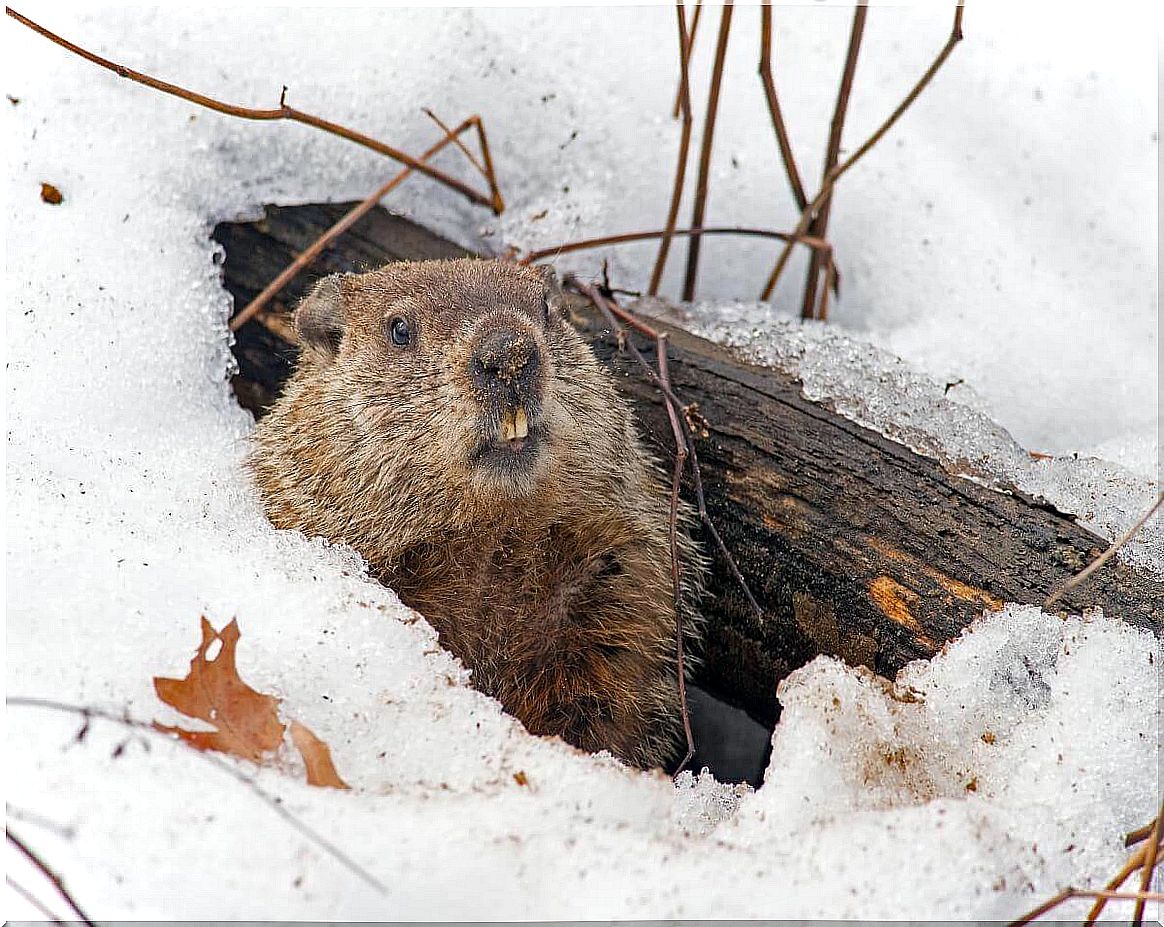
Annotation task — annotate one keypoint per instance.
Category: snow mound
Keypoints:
(1012, 751)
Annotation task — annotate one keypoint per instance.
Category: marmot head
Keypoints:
(466, 369)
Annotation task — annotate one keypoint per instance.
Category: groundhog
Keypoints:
(447, 422)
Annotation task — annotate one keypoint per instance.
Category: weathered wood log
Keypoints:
(854, 546)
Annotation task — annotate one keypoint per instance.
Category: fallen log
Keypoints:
(853, 545)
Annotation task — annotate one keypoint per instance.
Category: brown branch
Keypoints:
(456, 140)
(684, 150)
(32, 900)
(1135, 861)
(685, 50)
(270, 801)
(701, 183)
(354, 215)
(1104, 557)
(820, 222)
(1151, 853)
(834, 175)
(1139, 834)
(628, 237)
(774, 110)
(58, 883)
(281, 112)
(672, 525)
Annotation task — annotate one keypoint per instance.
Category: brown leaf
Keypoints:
(50, 194)
(520, 777)
(317, 757)
(246, 721)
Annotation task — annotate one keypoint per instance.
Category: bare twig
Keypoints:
(685, 50)
(1135, 862)
(774, 110)
(837, 172)
(1151, 853)
(58, 883)
(628, 237)
(32, 900)
(1104, 557)
(820, 222)
(705, 152)
(1139, 834)
(673, 530)
(684, 103)
(281, 112)
(271, 802)
(354, 215)
(613, 313)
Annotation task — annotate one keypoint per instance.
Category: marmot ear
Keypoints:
(320, 319)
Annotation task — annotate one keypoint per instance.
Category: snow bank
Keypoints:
(129, 517)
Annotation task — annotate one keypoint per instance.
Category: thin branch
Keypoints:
(1151, 852)
(684, 149)
(281, 112)
(774, 110)
(612, 312)
(498, 203)
(455, 139)
(1135, 861)
(1104, 557)
(628, 237)
(705, 152)
(820, 222)
(673, 530)
(32, 900)
(839, 170)
(685, 50)
(1139, 834)
(271, 802)
(354, 215)
(58, 883)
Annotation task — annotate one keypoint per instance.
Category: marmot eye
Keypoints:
(400, 332)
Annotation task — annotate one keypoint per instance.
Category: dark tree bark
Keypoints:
(854, 546)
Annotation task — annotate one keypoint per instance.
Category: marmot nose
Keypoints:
(505, 363)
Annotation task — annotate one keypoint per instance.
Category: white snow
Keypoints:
(129, 516)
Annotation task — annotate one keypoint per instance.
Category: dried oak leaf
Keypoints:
(316, 757)
(51, 194)
(247, 723)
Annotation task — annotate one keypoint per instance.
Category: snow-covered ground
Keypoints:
(1003, 236)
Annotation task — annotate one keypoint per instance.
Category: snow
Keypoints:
(129, 516)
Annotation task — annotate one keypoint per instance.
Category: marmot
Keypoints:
(447, 422)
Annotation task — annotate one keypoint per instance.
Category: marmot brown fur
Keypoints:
(447, 422)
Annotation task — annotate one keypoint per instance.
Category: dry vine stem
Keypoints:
(628, 237)
(686, 47)
(684, 450)
(270, 801)
(774, 111)
(32, 900)
(683, 103)
(1104, 557)
(820, 221)
(701, 182)
(58, 883)
(281, 112)
(831, 178)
